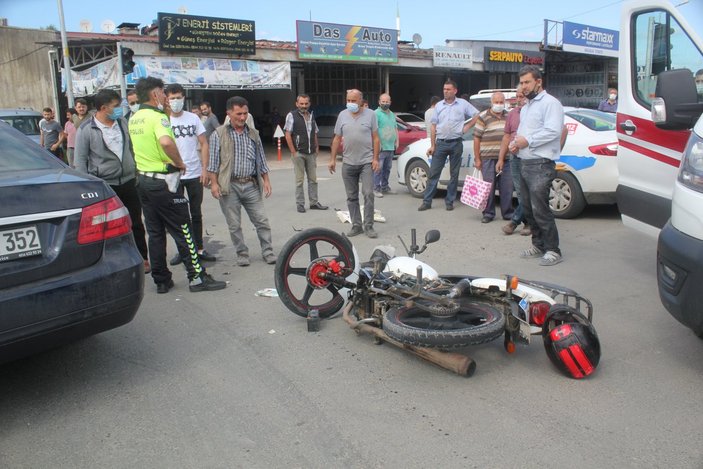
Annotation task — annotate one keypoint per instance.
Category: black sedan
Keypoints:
(69, 267)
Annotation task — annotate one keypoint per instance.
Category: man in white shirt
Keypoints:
(193, 146)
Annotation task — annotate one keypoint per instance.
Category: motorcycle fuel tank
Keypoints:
(408, 266)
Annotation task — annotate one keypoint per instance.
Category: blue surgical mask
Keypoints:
(116, 113)
(353, 107)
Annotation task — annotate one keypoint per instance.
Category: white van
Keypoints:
(660, 153)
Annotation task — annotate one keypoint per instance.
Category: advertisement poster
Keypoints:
(452, 57)
(590, 40)
(187, 33)
(87, 82)
(329, 41)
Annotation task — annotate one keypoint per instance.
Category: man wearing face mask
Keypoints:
(538, 144)
(193, 148)
(103, 149)
(133, 104)
(301, 137)
(611, 103)
(359, 127)
(165, 207)
(388, 136)
(488, 134)
(699, 82)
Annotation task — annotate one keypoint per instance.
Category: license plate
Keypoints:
(19, 242)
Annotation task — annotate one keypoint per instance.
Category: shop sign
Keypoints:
(187, 33)
(330, 41)
(452, 57)
(586, 39)
(510, 60)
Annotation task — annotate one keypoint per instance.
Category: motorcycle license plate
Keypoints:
(19, 242)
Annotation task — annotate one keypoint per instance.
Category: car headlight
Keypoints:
(691, 172)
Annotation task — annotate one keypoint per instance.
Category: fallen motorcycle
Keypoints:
(405, 302)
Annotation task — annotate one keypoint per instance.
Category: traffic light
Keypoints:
(126, 60)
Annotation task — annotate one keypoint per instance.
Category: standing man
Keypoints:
(238, 176)
(359, 128)
(82, 114)
(132, 103)
(428, 115)
(488, 134)
(512, 122)
(445, 137)
(51, 134)
(165, 207)
(301, 137)
(190, 135)
(70, 131)
(611, 103)
(388, 135)
(537, 144)
(103, 149)
(209, 119)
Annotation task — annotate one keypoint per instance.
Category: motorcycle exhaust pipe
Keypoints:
(455, 362)
(461, 287)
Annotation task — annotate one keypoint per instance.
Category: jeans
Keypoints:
(443, 149)
(302, 164)
(518, 214)
(380, 179)
(166, 211)
(194, 188)
(536, 178)
(505, 189)
(352, 175)
(246, 195)
(127, 193)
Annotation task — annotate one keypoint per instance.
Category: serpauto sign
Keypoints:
(330, 41)
(187, 33)
(497, 59)
(454, 57)
(590, 40)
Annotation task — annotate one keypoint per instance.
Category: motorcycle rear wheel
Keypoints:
(475, 323)
(295, 289)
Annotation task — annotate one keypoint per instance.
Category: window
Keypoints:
(594, 120)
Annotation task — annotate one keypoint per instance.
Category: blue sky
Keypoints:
(275, 19)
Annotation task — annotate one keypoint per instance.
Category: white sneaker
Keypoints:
(534, 251)
(378, 194)
(550, 258)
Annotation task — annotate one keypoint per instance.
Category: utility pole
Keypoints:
(66, 57)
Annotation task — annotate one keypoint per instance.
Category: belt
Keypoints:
(535, 160)
(153, 175)
(243, 180)
(449, 140)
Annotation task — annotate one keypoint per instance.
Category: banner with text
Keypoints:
(89, 81)
(187, 33)
(590, 40)
(330, 41)
(453, 57)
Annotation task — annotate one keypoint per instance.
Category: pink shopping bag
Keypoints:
(476, 191)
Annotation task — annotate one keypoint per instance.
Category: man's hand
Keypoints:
(375, 166)
(205, 179)
(499, 166)
(477, 162)
(521, 142)
(267, 188)
(332, 164)
(430, 151)
(215, 190)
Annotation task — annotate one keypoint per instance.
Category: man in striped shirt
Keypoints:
(488, 134)
(238, 177)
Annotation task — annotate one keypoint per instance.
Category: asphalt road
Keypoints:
(230, 379)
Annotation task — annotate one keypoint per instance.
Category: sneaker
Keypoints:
(164, 287)
(424, 207)
(378, 194)
(526, 231)
(449, 207)
(486, 220)
(388, 191)
(301, 209)
(356, 230)
(242, 261)
(206, 283)
(206, 256)
(147, 267)
(175, 260)
(534, 251)
(509, 228)
(270, 258)
(318, 206)
(550, 258)
(370, 232)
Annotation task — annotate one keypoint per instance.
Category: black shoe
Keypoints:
(318, 206)
(371, 233)
(175, 260)
(356, 230)
(424, 207)
(301, 209)
(449, 207)
(206, 283)
(486, 220)
(164, 287)
(206, 256)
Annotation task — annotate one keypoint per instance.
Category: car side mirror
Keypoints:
(432, 236)
(676, 105)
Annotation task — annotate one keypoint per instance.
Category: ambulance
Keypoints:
(660, 152)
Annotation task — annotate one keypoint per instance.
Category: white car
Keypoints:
(587, 170)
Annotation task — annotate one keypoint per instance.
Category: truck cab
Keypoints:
(660, 153)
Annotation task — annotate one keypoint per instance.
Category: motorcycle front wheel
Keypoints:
(475, 323)
(301, 258)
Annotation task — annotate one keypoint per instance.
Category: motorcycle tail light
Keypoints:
(538, 312)
(608, 149)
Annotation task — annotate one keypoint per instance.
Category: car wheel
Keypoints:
(565, 196)
(416, 176)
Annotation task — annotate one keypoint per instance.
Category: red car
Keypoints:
(407, 134)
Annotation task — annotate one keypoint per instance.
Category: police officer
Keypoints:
(165, 208)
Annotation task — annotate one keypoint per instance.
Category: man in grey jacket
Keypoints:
(103, 149)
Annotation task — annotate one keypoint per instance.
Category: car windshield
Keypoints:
(21, 154)
(28, 125)
(407, 117)
(595, 120)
